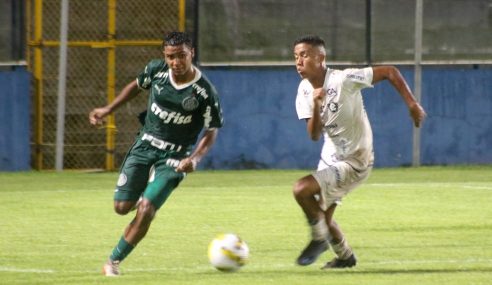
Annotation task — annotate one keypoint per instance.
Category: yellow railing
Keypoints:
(35, 16)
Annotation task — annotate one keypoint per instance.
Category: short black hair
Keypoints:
(313, 40)
(176, 39)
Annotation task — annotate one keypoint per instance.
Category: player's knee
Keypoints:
(146, 211)
(122, 207)
(121, 210)
(300, 189)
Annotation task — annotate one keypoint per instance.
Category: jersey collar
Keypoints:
(198, 75)
(327, 78)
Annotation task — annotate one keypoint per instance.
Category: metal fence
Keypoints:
(109, 42)
(356, 31)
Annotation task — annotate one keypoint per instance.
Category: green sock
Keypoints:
(121, 250)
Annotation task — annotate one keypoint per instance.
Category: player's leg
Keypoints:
(133, 177)
(306, 190)
(138, 227)
(162, 183)
(131, 183)
(163, 180)
(345, 255)
(122, 204)
(336, 182)
(336, 234)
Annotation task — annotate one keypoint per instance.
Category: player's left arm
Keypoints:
(393, 75)
(208, 139)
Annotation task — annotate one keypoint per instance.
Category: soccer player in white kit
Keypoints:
(330, 102)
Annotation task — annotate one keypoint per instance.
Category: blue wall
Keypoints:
(262, 130)
(460, 126)
(15, 151)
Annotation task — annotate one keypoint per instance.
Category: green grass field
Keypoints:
(429, 225)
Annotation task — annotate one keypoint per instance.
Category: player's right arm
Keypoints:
(130, 91)
(314, 124)
(308, 106)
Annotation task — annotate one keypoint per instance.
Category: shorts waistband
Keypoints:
(162, 144)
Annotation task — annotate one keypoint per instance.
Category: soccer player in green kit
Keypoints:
(182, 102)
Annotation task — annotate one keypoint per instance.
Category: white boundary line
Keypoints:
(477, 186)
(252, 266)
(25, 270)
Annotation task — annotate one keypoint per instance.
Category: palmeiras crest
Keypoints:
(190, 103)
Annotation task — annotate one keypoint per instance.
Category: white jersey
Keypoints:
(346, 128)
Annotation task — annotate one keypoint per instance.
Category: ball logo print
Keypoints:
(228, 252)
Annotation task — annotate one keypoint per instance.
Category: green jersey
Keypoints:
(178, 113)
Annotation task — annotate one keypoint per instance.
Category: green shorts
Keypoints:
(148, 172)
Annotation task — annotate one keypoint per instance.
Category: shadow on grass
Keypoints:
(355, 272)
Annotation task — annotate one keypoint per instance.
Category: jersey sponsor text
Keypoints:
(170, 117)
(200, 91)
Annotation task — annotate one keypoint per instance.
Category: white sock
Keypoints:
(319, 230)
(342, 249)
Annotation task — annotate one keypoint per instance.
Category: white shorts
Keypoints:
(337, 180)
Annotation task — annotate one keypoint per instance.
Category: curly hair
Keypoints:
(176, 39)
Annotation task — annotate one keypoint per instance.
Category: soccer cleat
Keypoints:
(111, 268)
(312, 251)
(341, 263)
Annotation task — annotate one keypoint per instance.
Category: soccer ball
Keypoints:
(228, 252)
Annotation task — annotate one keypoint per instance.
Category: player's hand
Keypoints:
(417, 113)
(96, 116)
(187, 165)
(319, 94)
